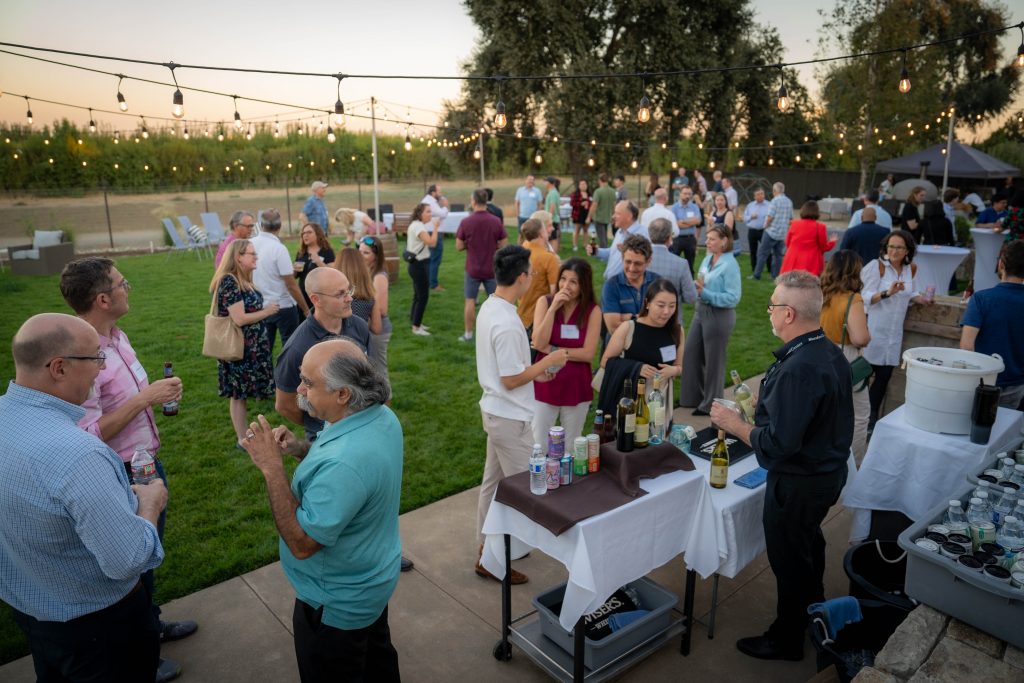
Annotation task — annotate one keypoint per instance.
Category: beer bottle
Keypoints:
(171, 407)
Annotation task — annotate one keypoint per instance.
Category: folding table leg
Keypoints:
(578, 645)
(503, 648)
(691, 588)
(714, 607)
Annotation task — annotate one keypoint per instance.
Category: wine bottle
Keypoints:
(643, 415)
(656, 402)
(626, 419)
(743, 396)
(720, 462)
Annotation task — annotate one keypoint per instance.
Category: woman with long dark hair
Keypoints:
(568, 319)
(314, 251)
(422, 236)
(580, 201)
(372, 251)
(364, 300)
(910, 216)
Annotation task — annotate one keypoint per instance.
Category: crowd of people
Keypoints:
(537, 334)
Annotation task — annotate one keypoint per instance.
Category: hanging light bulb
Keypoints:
(184, 134)
(92, 123)
(28, 112)
(145, 132)
(476, 155)
(277, 128)
(408, 145)
(590, 162)
(741, 163)
(238, 117)
(771, 161)
(249, 133)
(627, 144)
(675, 164)
(798, 158)
(593, 142)
(339, 107)
(904, 76)
(711, 164)
(643, 114)
(178, 110)
(537, 158)
(121, 103)
(634, 163)
(331, 137)
(1020, 50)
(117, 137)
(783, 101)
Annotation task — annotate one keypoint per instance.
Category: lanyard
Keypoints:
(775, 366)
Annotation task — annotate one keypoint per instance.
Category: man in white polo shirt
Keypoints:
(274, 277)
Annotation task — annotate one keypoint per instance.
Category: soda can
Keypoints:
(929, 292)
(1000, 574)
(939, 529)
(556, 442)
(579, 456)
(593, 453)
(566, 470)
(983, 532)
(554, 473)
(927, 544)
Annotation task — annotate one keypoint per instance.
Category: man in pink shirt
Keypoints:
(119, 408)
(240, 228)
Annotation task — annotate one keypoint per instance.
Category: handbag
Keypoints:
(222, 338)
(598, 379)
(860, 368)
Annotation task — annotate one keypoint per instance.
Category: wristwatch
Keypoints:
(885, 294)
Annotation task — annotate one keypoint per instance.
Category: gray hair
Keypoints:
(660, 230)
(237, 216)
(367, 385)
(779, 187)
(270, 220)
(33, 351)
(807, 290)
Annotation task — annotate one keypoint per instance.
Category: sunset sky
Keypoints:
(385, 37)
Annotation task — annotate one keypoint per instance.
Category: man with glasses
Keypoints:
(802, 435)
(239, 228)
(119, 409)
(623, 294)
(76, 536)
(275, 278)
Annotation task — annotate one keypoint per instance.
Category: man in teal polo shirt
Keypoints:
(338, 520)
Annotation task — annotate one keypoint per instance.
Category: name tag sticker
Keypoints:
(570, 332)
(668, 353)
(139, 372)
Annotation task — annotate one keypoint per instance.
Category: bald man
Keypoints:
(70, 568)
(341, 553)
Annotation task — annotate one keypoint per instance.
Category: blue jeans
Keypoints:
(769, 248)
(286, 320)
(435, 260)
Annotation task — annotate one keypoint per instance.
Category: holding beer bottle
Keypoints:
(171, 407)
(720, 463)
(626, 419)
(643, 415)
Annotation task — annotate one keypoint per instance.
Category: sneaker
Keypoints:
(751, 277)
(421, 331)
(467, 337)
(167, 670)
(575, 248)
(424, 327)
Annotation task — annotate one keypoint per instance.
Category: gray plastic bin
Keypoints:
(993, 607)
(598, 653)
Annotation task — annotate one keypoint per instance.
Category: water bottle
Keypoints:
(1011, 537)
(979, 517)
(1018, 475)
(982, 487)
(143, 467)
(633, 595)
(538, 473)
(955, 519)
(1004, 505)
(1007, 467)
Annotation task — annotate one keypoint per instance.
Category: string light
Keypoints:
(178, 108)
(476, 154)
(92, 123)
(538, 158)
(1020, 50)
(500, 119)
(783, 101)
(331, 137)
(643, 114)
(590, 162)
(121, 103)
(339, 107)
(238, 117)
(904, 76)
(145, 132)
(28, 112)
(185, 133)
(634, 163)
(408, 145)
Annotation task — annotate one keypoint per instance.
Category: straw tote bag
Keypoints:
(222, 338)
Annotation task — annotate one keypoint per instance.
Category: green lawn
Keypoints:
(219, 524)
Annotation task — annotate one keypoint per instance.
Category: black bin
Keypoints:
(878, 571)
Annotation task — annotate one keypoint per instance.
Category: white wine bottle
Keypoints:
(743, 396)
(656, 402)
(720, 463)
(643, 415)
(625, 419)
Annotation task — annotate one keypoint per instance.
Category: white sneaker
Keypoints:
(421, 331)
(424, 327)
(465, 337)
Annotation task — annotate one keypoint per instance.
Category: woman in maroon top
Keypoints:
(580, 201)
(567, 319)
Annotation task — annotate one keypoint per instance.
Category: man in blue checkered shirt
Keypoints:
(776, 225)
(75, 536)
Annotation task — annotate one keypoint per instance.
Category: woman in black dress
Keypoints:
(911, 213)
(253, 375)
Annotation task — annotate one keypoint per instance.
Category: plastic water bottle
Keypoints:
(982, 487)
(956, 520)
(979, 516)
(1004, 505)
(1011, 537)
(1018, 475)
(538, 475)
(1007, 467)
(143, 467)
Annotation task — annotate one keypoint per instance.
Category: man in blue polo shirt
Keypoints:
(528, 200)
(992, 217)
(994, 323)
(688, 218)
(623, 295)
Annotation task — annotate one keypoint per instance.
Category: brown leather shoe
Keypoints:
(518, 578)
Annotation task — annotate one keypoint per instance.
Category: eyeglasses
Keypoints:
(99, 359)
(350, 293)
(894, 247)
(773, 306)
(123, 284)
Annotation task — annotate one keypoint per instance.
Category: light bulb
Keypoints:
(1020, 56)
(783, 102)
(28, 117)
(675, 165)
(408, 146)
(220, 137)
(590, 162)
(798, 158)
(178, 110)
(92, 123)
(331, 137)
(238, 120)
(500, 120)
(711, 164)
(742, 163)
(476, 154)
(643, 114)
(339, 111)
(633, 164)
(145, 133)
(538, 159)
(185, 134)
(122, 105)
(904, 81)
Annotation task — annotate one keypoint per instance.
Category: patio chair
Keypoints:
(178, 244)
(195, 233)
(47, 254)
(212, 225)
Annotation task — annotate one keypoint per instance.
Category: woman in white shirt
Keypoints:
(888, 292)
(422, 235)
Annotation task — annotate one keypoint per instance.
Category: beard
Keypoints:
(305, 405)
(775, 332)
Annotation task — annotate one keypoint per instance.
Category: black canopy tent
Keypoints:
(964, 162)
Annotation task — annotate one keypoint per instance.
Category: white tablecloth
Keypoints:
(936, 265)
(986, 252)
(909, 470)
(618, 546)
(739, 533)
(452, 220)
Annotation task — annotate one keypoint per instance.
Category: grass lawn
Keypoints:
(219, 523)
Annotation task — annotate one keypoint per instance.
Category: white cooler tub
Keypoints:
(939, 398)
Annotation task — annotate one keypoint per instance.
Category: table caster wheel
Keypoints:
(503, 651)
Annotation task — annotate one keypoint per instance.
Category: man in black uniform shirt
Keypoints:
(802, 436)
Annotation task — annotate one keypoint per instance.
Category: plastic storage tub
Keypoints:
(995, 608)
(598, 653)
(939, 397)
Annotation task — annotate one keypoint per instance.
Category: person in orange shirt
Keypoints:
(543, 267)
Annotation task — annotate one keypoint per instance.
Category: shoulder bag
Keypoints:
(410, 256)
(598, 379)
(860, 368)
(222, 338)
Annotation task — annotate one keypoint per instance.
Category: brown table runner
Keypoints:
(616, 484)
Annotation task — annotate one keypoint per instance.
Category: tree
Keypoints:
(862, 101)
(573, 38)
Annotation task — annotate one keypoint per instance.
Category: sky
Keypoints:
(383, 37)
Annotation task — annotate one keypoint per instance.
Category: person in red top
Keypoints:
(568, 319)
(806, 242)
(580, 201)
(480, 235)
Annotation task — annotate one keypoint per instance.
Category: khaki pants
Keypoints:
(509, 444)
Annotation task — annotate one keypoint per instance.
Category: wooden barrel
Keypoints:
(391, 258)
